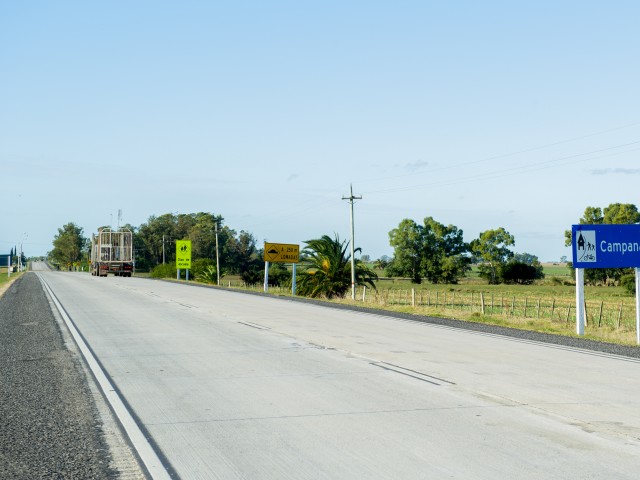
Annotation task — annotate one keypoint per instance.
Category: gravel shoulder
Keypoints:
(51, 424)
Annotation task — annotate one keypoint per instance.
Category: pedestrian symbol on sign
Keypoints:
(586, 246)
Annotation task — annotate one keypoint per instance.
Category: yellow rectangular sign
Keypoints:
(183, 254)
(281, 253)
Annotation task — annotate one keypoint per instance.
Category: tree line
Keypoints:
(438, 253)
(430, 251)
(154, 243)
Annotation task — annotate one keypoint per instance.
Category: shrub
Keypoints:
(252, 276)
(521, 273)
(199, 266)
(279, 276)
(209, 275)
(628, 281)
(165, 270)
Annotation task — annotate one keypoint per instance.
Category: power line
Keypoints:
(512, 170)
(510, 154)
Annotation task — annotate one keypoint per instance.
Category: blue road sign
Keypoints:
(606, 246)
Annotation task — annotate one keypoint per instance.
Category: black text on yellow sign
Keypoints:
(281, 253)
(183, 254)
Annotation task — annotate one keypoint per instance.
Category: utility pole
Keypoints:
(351, 198)
(217, 257)
(163, 249)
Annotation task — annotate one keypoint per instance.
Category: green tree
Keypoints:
(491, 248)
(68, 245)
(526, 258)
(279, 276)
(382, 263)
(240, 255)
(407, 243)
(203, 235)
(197, 227)
(327, 272)
(520, 272)
(444, 258)
(152, 234)
(432, 251)
(621, 213)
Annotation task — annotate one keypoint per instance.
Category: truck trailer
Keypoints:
(112, 252)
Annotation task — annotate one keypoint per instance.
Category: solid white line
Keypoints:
(145, 451)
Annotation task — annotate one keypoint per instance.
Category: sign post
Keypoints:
(638, 305)
(605, 246)
(183, 256)
(580, 301)
(281, 253)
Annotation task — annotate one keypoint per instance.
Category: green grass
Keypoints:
(5, 280)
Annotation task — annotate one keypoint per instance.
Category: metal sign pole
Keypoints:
(293, 280)
(266, 276)
(638, 305)
(580, 301)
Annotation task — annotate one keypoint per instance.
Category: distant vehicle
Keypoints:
(112, 252)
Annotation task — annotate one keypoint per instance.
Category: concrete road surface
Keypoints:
(235, 386)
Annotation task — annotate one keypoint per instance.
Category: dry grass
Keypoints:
(6, 281)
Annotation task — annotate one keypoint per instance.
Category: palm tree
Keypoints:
(327, 270)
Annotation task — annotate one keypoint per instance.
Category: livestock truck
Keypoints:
(112, 252)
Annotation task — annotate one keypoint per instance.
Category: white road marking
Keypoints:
(145, 451)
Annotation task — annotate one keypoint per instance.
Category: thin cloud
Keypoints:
(412, 167)
(292, 177)
(613, 171)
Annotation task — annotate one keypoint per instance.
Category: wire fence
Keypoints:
(598, 312)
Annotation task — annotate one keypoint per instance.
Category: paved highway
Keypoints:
(230, 385)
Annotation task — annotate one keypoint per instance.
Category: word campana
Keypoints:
(619, 247)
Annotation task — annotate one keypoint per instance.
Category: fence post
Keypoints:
(586, 316)
(538, 309)
(364, 292)
(482, 302)
(600, 314)
(513, 305)
(620, 315)
(413, 297)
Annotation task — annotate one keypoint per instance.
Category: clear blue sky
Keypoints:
(480, 114)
